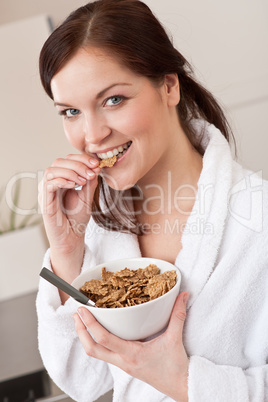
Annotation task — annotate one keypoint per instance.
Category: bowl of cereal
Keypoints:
(134, 297)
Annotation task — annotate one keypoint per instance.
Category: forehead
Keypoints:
(92, 67)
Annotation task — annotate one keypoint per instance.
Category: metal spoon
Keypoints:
(66, 287)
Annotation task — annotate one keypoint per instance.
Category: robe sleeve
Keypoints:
(210, 382)
(82, 377)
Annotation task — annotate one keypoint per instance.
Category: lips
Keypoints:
(119, 151)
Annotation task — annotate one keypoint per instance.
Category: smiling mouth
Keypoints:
(118, 152)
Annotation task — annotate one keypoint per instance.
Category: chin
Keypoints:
(120, 184)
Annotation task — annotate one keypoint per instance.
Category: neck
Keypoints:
(171, 186)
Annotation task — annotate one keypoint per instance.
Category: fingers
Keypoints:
(72, 169)
(178, 316)
(56, 177)
(93, 348)
(90, 346)
(101, 335)
(65, 173)
(85, 158)
(82, 165)
(91, 162)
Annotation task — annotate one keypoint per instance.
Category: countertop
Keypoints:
(18, 337)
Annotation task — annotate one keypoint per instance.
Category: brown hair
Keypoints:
(128, 30)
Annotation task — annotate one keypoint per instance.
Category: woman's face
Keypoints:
(106, 108)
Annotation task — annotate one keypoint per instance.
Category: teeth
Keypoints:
(116, 151)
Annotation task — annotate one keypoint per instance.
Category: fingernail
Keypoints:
(93, 162)
(82, 178)
(90, 173)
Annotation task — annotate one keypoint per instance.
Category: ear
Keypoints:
(172, 87)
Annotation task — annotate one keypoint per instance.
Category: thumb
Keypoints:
(178, 314)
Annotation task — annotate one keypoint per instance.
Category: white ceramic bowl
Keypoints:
(134, 322)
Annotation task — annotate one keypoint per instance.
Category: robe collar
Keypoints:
(203, 232)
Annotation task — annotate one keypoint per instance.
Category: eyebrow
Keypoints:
(99, 95)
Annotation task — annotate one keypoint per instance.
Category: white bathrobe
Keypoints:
(224, 266)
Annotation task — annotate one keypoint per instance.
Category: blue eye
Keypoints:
(69, 113)
(114, 100)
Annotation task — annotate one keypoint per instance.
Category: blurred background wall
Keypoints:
(226, 42)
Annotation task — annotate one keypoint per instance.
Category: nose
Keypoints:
(95, 129)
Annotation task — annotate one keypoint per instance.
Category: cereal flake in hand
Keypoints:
(108, 162)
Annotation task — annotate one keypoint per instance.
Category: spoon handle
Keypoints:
(65, 287)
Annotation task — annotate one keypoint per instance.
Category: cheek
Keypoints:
(73, 135)
(136, 122)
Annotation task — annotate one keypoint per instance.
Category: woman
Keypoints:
(174, 193)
